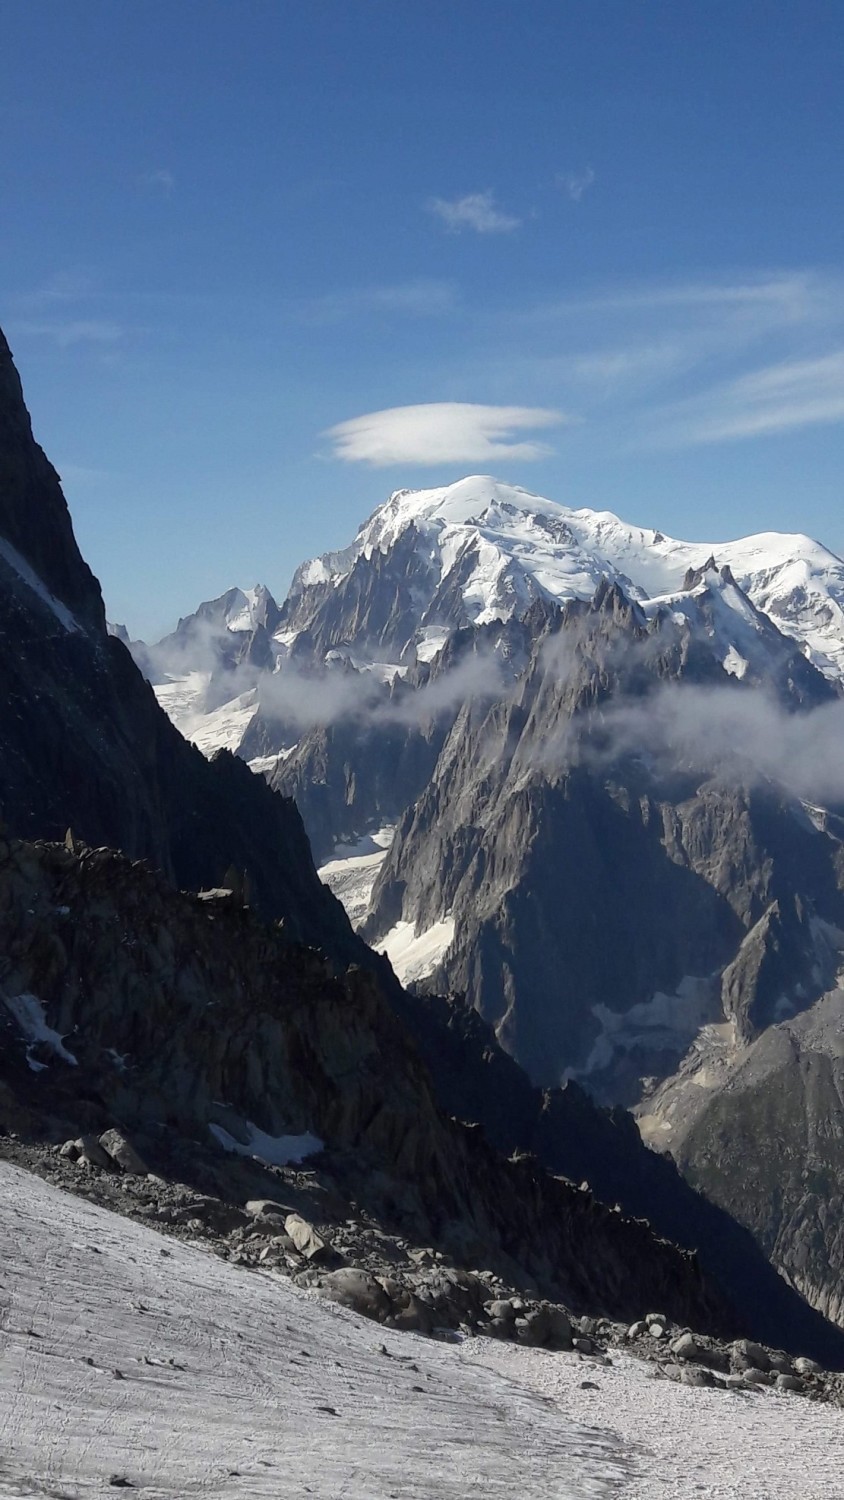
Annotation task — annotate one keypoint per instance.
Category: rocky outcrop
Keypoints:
(83, 743)
(34, 518)
(770, 1149)
(180, 1020)
(601, 899)
(570, 1135)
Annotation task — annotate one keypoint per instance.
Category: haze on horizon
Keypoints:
(263, 264)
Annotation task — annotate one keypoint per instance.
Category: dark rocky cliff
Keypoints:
(585, 878)
(83, 742)
(770, 1150)
(124, 1003)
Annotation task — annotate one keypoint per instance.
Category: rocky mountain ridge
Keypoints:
(199, 1031)
(101, 957)
(618, 833)
(430, 562)
(83, 743)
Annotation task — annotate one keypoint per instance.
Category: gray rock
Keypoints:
(757, 1377)
(582, 1345)
(539, 1323)
(636, 1330)
(305, 1238)
(696, 1375)
(805, 1366)
(525, 1333)
(739, 1363)
(560, 1329)
(715, 1359)
(656, 1330)
(123, 1152)
(752, 1352)
(89, 1150)
(502, 1308)
(266, 1208)
(736, 1382)
(498, 1328)
(357, 1290)
(790, 1383)
(687, 1347)
(70, 1151)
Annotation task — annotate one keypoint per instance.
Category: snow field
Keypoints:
(687, 1443)
(125, 1355)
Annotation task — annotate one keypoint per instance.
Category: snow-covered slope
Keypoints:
(131, 1361)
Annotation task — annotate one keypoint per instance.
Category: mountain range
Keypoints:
(186, 1003)
(590, 778)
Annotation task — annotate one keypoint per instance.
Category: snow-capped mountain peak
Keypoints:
(428, 562)
(484, 550)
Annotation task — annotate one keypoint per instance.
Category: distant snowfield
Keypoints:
(351, 875)
(126, 1356)
(414, 955)
(352, 871)
(222, 728)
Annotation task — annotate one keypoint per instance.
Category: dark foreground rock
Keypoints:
(186, 1025)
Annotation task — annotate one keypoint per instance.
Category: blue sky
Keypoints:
(598, 242)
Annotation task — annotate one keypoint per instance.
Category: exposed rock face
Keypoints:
(605, 908)
(569, 1134)
(124, 1004)
(169, 1014)
(83, 743)
(34, 518)
(771, 1149)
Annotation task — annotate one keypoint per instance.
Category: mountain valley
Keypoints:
(558, 887)
(589, 778)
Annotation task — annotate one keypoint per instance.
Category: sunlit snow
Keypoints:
(133, 1360)
(352, 871)
(414, 955)
(28, 576)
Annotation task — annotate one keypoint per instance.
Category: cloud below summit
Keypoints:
(443, 432)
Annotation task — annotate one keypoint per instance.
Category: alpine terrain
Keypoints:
(194, 1038)
(589, 778)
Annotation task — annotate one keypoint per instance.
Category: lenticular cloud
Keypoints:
(442, 432)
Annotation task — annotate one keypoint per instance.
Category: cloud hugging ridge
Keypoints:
(442, 432)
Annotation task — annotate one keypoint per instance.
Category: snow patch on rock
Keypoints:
(273, 1150)
(414, 955)
(29, 1013)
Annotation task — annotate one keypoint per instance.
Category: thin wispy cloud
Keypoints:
(747, 306)
(776, 399)
(59, 288)
(158, 180)
(83, 476)
(476, 211)
(575, 184)
(74, 331)
(674, 364)
(422, 298)
(443, 432)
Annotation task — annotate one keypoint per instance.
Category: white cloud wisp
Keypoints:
(442, 432)
(476, 211)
